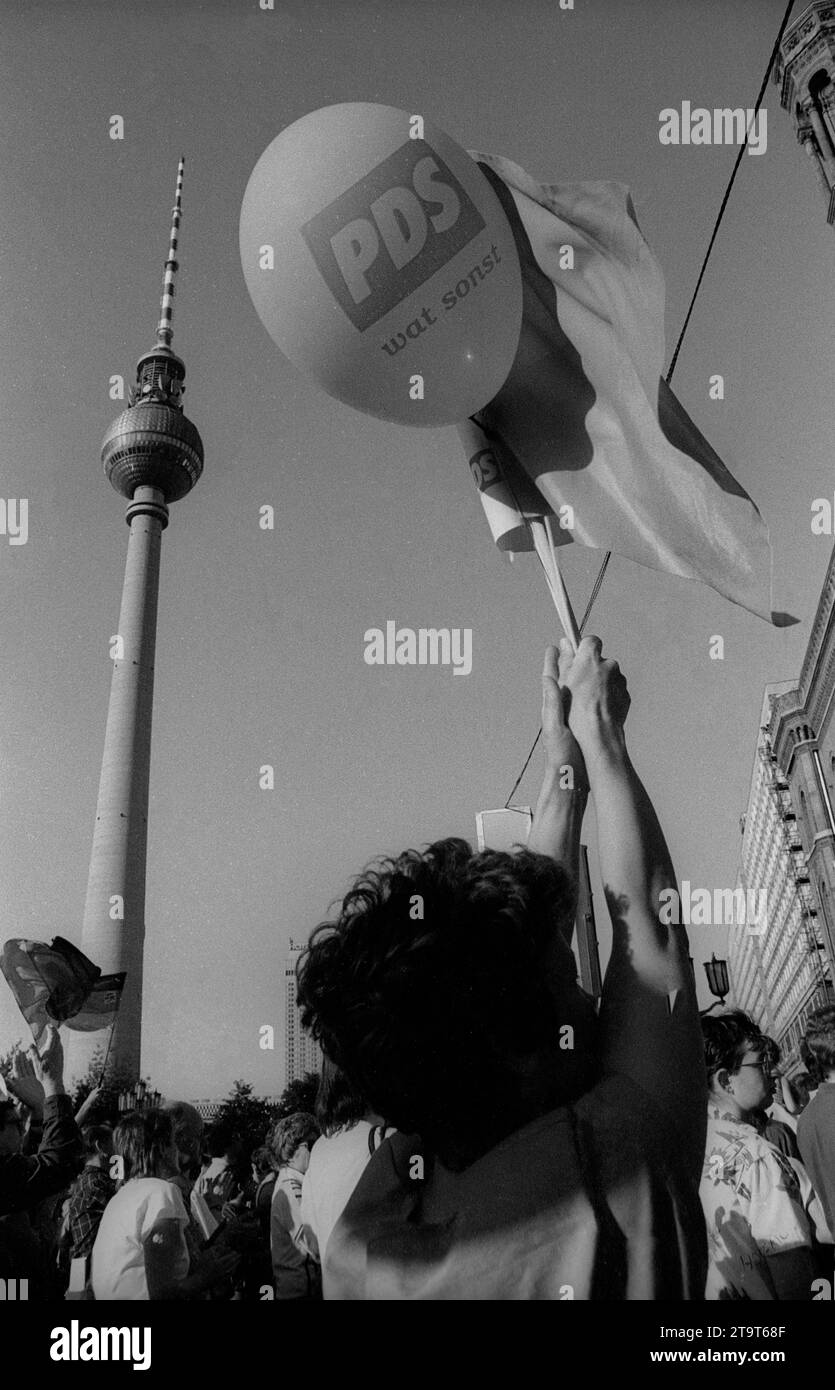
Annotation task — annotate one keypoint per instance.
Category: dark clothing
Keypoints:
(263, 1202)
(21, 1256)
(779, 1134)
(26, 1179)
(257, 1267)
(816, 1140)
(89, 1197)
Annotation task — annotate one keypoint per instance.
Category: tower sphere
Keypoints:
(153, 444)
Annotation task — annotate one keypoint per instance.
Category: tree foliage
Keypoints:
(298, 1095)
(246, 1116)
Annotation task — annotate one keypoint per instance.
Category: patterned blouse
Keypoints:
(755, 1201)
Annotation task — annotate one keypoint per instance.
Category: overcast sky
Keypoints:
(260, 645)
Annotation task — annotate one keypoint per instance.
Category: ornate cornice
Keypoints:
(785, 709)
(817, 19)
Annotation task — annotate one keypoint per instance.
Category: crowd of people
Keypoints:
(482, 1130)
(161, 1206)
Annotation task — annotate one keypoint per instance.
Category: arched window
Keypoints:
(817, 82)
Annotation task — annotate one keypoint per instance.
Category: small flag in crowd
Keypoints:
(58, 984)
(585, 429)
(101, 1005)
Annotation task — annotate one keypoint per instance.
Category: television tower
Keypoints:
(804, 74)
(153, 455)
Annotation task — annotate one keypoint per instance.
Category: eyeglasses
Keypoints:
(762, 1065)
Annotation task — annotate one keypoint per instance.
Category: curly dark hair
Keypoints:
(820, 1041)
(727, 1038)
(433, 982)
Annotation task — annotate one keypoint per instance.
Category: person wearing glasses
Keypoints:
(759, 1205)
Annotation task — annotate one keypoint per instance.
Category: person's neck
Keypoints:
(94, 1162)
(731, 1107)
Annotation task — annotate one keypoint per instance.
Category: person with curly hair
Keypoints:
(759, 1204)
(542, 1152)
(816, 1124)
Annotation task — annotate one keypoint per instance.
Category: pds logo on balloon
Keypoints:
(374, 249)
(377, 262)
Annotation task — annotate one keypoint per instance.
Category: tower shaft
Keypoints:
(114, 915)
(152, 455)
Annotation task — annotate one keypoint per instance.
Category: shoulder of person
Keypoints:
(820, 1106)
(162, 1197)
(771, 1170)
(294, 1181)
(285, 1183)
(401, 1160)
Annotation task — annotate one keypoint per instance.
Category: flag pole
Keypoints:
(107, 1053)
(574, 634)
(546, 550)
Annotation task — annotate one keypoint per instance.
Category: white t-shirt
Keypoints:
(118, 1262)
(337, 1163)
(599, 1202)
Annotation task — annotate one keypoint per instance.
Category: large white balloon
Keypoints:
(383, 264)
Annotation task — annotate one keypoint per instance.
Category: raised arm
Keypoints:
(27, 1179)
(649, 1017)
(558, 818)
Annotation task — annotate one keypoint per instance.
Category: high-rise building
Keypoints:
(776, 962)
(803, 72)
(302, 1054)
(153, 455)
